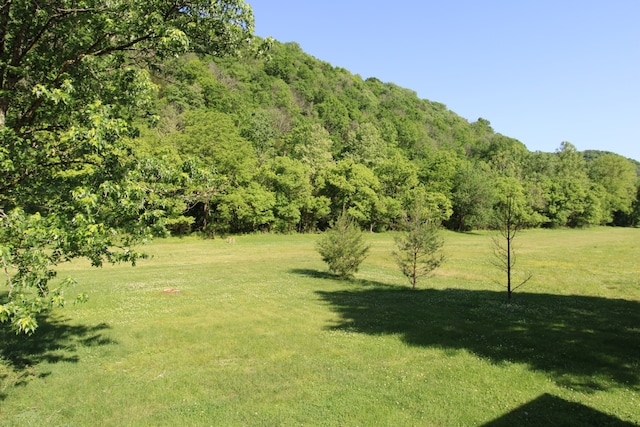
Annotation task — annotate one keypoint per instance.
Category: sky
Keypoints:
(541, 71)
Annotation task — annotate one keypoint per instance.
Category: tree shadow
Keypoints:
(316, 274)
(549, 410)
(585, 343)
(54, 341)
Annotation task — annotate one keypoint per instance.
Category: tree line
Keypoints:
(285, 142)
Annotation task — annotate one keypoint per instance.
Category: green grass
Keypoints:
(260, 334)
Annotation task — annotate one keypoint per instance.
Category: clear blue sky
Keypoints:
(541, 71)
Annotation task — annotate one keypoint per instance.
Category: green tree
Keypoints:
(567, 191)
(289, 180)
(70, 86)
(311, 143)
(438, 170)
(418, 249)
(334, 116)
(365, 145)
(343, 247)
(213, 139)
(398, 179)
(617, 176)
(472, 197)
(261, 132)
(354, 187)
(246, 209)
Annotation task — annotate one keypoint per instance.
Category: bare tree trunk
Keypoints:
(509, 237)
(415, 269)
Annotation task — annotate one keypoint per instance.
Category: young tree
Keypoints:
(72, 79)
(511, 214)
(419, 249)
(342, 247)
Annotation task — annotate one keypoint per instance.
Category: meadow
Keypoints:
(259, 334)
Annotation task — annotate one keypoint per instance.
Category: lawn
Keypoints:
(260, 334)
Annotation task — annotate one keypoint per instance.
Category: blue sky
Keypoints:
(541, 71)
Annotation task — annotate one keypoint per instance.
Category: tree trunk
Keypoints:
(509, 266)
(415, 269)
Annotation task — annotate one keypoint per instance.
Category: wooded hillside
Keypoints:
(284, 141)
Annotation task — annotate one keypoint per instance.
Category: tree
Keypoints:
(419, 248)
(365, 145)
(567, 191)
(289, 180)
(472, 197)
(617, 176)
(398, 179)
(212, 138)
(72, 79)
(512, 214)
(354, 187)
(313, 146)
(342, 247)
(246, 209)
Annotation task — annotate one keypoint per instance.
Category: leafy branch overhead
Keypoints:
(73, 77)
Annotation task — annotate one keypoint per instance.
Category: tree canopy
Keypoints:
(73, 78)
(370, 147)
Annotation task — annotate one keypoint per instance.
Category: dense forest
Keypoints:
(281, 141)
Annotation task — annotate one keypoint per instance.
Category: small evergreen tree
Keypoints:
(342, 247)
(419, 248)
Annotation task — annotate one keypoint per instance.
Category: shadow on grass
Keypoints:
(584, 343)
(316, 274)
(54, 341)
(549, 410)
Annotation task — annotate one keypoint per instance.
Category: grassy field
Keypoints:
(259, 334)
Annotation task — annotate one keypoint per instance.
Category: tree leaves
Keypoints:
(72, 80)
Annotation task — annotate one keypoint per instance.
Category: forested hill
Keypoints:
(283, 141)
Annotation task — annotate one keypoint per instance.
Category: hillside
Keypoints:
(283, 141)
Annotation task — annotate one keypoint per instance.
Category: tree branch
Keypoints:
(522, 284)
(31, 173)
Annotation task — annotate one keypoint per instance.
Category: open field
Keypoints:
(259, 334)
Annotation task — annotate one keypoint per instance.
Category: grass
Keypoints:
(260, 334)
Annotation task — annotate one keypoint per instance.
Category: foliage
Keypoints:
(472, 198)
(617, 177)
(343, 247)
(354, 187)
(369, 146)
(418, 250)
(73, 77)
